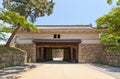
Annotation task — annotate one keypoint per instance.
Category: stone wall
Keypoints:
(31, 51)
(111, 58)
(11, 57)
(89, 53)
(57, 54)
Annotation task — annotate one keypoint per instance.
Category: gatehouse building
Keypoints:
(80, 43)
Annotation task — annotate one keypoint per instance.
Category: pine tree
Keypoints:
(30, 9)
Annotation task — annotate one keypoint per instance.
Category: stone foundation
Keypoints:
(31, 51)
(89, 53)
(110, 58)
(11, 57)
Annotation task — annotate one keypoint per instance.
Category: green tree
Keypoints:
(2, 35)
(3, 31)
(110, 21)
(110, 2)
(16, 21)
(30, 9)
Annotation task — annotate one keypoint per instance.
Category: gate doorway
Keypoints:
(58, 54)
(47, 49)
(69, 54)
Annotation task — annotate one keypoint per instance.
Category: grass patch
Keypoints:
(7, 49)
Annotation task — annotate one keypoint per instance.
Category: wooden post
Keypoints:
(37, 56)
(51, 57)
(71, 53)
(65, 56)
(42, 52)
(76, 58)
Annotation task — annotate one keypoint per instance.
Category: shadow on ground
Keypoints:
(113, 71)
(8, 73)
(108, 68)
(58, 62)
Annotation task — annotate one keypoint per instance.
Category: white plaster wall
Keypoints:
(27, 38)
(90, 41)
(79, 36)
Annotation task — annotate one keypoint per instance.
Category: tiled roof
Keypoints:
(64, 27)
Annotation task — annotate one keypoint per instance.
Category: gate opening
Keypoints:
(58, 54)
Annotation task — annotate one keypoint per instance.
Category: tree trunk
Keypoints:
(12, 36)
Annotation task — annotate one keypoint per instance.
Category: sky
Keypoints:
(74, 12)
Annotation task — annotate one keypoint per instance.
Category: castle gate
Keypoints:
(44, 49)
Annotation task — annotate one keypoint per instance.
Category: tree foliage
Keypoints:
(110, 21)
(15, 21)
(30, 9)
(3, 31)
(2, 35)
(110, 2)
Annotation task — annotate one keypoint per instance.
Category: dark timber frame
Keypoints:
(44, 49)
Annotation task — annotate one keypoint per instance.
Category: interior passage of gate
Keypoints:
(64, 71)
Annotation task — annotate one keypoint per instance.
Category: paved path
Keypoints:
(64, 71)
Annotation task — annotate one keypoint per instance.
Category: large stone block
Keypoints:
(89, 53)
